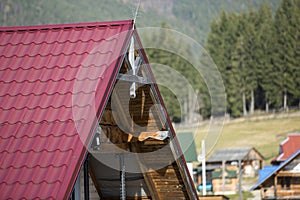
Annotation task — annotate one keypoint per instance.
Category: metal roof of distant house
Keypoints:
(217, 174)
(274, 170)
(186, 141)
(230, 154)
(287, 147)
(54, 80)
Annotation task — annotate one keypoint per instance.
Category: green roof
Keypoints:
(229, 173)
(187, 144)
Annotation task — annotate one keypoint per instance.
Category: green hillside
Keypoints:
(265, 135)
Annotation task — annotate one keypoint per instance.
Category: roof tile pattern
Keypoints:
(53, 84)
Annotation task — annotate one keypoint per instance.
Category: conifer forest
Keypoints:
(254, 44)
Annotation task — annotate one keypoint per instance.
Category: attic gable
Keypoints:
(136, 136)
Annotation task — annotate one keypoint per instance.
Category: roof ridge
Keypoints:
(65, 25)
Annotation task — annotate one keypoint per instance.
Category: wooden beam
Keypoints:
(111, 148)
(160, 113)
(275, 186)
(95, 183)
(154, 142)
(288, 174)
(150, 185)
(122, 117)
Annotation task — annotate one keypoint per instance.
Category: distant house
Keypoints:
(224, 181)
(249, 157)
(287, 148)
(281, 182)
(198, 180)
(219, 181)
(80, 117)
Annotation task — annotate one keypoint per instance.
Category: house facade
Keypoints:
(281, 182)
(249, 157)
(224, 182)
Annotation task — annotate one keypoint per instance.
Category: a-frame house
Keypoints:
(80, 110)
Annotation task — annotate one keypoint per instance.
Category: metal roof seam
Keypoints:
(42, 121)
(35, 151)
(48, 94)
(55, 66)
(43, 108)
(35, 183)
(33, 167)
(57, 55)
(57, 42)
(41, 136)
(51, 80)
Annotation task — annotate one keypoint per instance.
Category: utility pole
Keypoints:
(203, 169)
(240, 180)
(223, 176)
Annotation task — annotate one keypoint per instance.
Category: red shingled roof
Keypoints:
(54, 80)
(288, 147)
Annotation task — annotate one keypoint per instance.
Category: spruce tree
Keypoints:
(251, 57)
(220, 45)
(238, 80)
(284, 58)
(295, 29)
(265, 71)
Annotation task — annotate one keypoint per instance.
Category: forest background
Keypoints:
(254, 44)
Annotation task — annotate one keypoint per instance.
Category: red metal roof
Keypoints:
(54, 80)
(288, 147)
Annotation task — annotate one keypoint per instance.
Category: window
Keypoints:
(285, 183)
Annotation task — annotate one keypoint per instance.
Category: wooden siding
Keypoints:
(230, 185)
